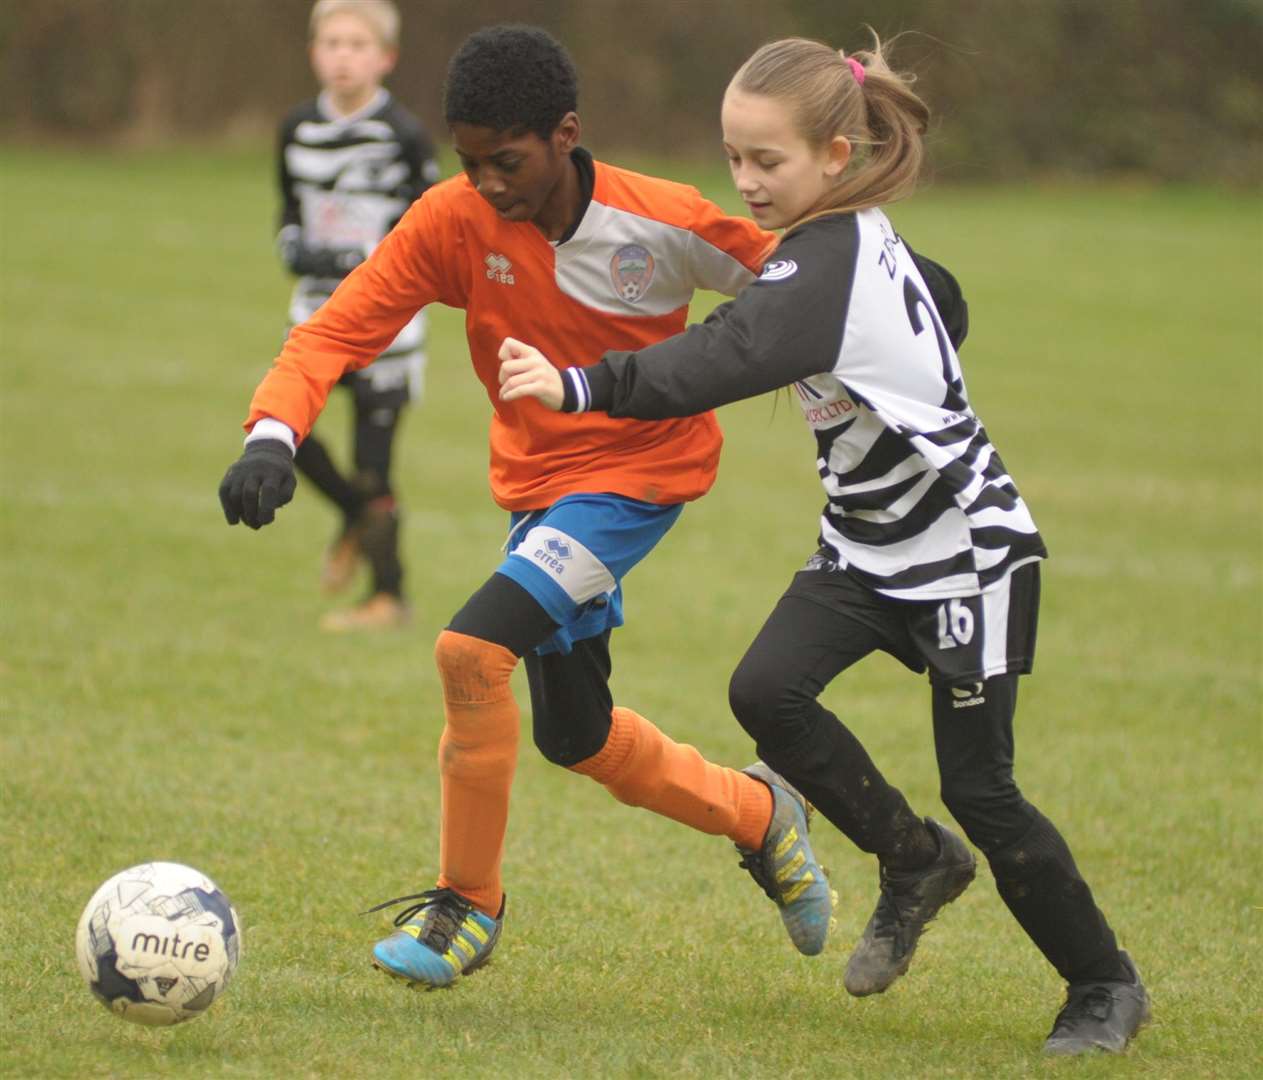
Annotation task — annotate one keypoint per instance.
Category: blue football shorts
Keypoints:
(572, 558)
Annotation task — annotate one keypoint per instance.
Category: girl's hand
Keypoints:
(527, 372)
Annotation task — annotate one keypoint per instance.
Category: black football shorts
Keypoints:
(959, 640)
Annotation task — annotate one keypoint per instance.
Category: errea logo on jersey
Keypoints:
(779, 270)
(498, 268)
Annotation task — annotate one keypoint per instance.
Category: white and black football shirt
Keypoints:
(920, 506)
(344, 182)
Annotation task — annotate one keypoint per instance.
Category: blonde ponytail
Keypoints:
(857, 96)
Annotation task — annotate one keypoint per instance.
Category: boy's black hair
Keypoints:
(511, 78)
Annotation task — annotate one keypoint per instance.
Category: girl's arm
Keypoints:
(786, 326)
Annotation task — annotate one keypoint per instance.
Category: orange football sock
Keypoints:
(477, 757)
(640, 766)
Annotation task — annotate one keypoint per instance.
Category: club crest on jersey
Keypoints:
(779, 270)
(631, 271)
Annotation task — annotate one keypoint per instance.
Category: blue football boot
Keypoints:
(786, 868)
(439, 937)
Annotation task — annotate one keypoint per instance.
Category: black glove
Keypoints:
(258, 483)
(317, 261)
(327, 262)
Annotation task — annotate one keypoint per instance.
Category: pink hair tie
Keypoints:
(857, 69)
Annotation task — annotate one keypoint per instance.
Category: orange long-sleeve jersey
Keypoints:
(623, 280)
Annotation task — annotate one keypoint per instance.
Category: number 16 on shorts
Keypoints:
(955, 624)
(980, 636)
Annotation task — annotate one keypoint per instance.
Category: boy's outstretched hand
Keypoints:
(258, 483)
(527, 372)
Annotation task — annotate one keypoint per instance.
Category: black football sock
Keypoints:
(1038, 880)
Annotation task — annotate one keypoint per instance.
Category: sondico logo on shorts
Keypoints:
(965, 697)
(553, 553)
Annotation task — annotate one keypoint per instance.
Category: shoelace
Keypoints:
(1093, 1003)
(893, 921)
(445, 909)
(753, 862)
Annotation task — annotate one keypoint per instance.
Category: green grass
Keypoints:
(166, 693)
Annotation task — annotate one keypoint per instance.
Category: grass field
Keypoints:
(166, 694)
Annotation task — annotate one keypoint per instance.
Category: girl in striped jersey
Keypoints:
(926, 549)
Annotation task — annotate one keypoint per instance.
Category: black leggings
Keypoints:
(802, 647)
(375, 424)
(377, 416)
(570, 692)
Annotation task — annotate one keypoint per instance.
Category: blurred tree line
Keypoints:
(1171, 89)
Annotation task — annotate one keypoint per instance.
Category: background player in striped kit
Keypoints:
(927, 550)
(537, 233)
(351, 161)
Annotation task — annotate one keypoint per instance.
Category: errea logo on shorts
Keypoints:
(498, 268)
(552, 553)
(558, 547)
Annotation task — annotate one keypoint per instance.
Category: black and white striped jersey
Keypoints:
(920, 506)
(345, 181)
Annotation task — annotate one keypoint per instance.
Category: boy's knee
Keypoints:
(628, 753)
(568, 740)
(370, 483)
(473, 671)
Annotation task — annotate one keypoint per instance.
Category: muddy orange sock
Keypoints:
(477, 757)
(640, 766)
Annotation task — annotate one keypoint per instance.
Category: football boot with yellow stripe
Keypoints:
(439, 937)
(786, 868)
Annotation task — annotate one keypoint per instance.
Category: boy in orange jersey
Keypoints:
(539, 239)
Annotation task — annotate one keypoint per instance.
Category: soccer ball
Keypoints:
(158, 943)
